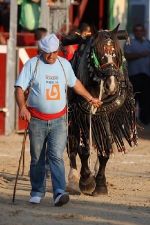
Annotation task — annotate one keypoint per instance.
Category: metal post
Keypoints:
(67, 16)
(44, 14)
(11, 70)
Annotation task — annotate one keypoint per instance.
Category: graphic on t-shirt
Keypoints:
(53, 93)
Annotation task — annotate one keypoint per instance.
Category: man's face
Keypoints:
(50, 58)
(138, 32)
(86, 31)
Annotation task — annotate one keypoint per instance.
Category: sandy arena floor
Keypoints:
(127, 203)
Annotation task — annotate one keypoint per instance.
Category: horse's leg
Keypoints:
(73, 175)
(101, 187)
(72, 149)
(87, 180)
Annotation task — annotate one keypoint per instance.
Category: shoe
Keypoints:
(61, 199)
(35, 200)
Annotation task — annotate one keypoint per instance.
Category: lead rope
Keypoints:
(66, 105)
(93, 111)
(22, 156)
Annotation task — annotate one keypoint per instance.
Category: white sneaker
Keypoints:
(35, 200)
(61, 199)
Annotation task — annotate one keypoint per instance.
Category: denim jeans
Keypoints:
(54, 133)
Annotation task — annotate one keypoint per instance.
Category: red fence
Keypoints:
(23, 39)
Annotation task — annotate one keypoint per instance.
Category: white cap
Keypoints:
(49, 43)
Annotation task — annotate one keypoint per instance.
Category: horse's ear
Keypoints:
(115, 31)
(93, 29)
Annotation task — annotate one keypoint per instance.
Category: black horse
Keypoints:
(100, 65)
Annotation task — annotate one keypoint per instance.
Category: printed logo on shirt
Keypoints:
(49, 77)
(53, 93)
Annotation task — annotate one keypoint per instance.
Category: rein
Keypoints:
(93, 110)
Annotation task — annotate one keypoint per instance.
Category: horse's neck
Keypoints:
(94, 91)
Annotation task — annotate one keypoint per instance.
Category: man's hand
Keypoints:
(25, 114)
(144, 53)
(95, 102)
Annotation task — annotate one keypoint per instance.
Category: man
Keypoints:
(5, 15)
(2, 40)
(71, 48)
(46, 114)
(39, 33)
(30, 15)
(138, 57)
(84, 29)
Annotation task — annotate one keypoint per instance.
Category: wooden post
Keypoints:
(11, 69)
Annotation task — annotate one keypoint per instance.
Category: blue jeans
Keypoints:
(54, 133)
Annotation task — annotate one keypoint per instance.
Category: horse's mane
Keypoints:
(84, 63)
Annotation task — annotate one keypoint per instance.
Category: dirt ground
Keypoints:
(127, 202)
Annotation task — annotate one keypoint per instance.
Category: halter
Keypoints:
(97, 64)
(108, 68)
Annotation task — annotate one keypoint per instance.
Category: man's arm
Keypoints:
(2, 40)
(20, 99)
(133, 56)
(80, 90)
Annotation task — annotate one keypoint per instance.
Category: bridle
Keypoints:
(101, 70)
(106, 66)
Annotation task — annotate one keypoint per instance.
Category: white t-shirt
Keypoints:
(48, 93)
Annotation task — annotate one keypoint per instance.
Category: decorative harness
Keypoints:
(116, 115)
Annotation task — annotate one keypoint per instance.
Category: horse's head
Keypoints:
(106, 59)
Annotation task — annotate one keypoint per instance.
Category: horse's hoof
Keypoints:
(87, 186)
(100, 191)
(74, 186)
(73, 176)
